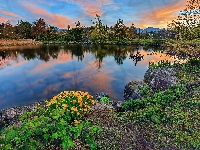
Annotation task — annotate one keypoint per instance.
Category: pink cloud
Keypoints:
(10, 14)
(58, 20)
(91, 7)
(3, 19)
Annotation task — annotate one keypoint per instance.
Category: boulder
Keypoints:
(160, 78)
(116, 105)
(132, 90)
(100, 95)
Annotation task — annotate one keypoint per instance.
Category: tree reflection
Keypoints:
(120, 55)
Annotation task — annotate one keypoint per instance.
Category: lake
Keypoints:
(30, 74)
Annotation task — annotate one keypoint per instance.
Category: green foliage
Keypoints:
(57, 124)
(187, 21)
(161, 63)
(105, 99)
(99, 31)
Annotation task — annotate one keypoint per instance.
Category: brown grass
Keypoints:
(21, 42)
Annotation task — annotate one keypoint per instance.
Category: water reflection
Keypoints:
(38, 73)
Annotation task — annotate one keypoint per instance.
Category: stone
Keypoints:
(160, 78)
(100, 95)
(132, 90)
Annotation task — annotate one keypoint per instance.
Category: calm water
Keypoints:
(38, 73)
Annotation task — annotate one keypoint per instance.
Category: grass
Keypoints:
(167, 119)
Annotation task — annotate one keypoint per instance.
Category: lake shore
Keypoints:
(12, 44)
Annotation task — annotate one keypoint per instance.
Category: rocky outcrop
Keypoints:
(116, 105)
(132, 90)
(9, 116)
(154, 79)
(160, 78)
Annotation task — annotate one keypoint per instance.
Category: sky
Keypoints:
(61, 13)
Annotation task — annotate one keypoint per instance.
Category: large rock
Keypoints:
(160, 78)
(116, 105)
(132, 90)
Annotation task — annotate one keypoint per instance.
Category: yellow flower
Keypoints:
(64, 106)
(81, 104)
(88, 107)
(85, 109)
(76, 121)
(78, 113)
(56, 106)
(79, 99)
(76, 94)
(92, 101)
(86, 103)
(37, 106)
(74, 101)
(74, 109)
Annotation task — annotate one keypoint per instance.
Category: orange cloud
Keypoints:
(10, 14)
(161, 16)
(3, 19)
(55, 19)
(91, 7)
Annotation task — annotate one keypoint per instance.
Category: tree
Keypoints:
(188, 19)
(99, 32)
(8, 31)
(51, 33)
(23, 28)
(38, 28)
(132, 33)
(120, 30)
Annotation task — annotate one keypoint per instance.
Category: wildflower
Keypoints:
(79, 99)
(81, 104)
(56, 106)
(74, 109)
(78, 113)
(64, 106)
(88, 107)
(92, 101)
(76, 121)
(74, 101)
(76, 94)
(37, 106)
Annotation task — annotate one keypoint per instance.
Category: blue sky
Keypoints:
(60, 13)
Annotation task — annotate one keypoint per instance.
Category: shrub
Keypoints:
(105, 99)
(57, 124)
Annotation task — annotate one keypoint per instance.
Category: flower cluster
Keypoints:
(74, 102)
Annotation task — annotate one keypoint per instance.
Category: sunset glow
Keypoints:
(61, 13)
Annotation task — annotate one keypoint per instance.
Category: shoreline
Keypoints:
(10, 44)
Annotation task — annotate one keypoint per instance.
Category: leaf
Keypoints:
(46, 136)
(155, 119)
(55, 135)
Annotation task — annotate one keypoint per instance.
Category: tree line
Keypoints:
(185, 27)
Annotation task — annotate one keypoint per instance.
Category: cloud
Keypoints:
(3, 19)
(10, 14)
(91, 7)
(161, 15)
(58, 20)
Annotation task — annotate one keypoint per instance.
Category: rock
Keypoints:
(160, 78)
(9, 116)
(100, 95)
(116, 105)
(131, 91)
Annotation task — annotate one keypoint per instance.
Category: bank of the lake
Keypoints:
(159, 120)
(12, 44)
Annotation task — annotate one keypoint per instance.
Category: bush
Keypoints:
(57, 124)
